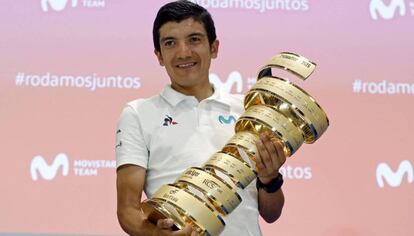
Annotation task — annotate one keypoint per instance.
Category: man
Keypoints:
(160, 137)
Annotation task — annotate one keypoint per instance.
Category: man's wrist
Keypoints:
(271, 187)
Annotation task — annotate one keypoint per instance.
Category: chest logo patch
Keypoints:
(227, 120)
(169, 121)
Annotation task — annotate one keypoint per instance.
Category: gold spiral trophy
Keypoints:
(201, 196)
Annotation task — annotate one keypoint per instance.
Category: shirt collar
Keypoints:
(174, 97)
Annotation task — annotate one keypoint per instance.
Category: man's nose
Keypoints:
(184, 50)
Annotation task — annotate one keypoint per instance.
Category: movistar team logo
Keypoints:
(394, 178)
(49, 172)
(227, 120)
(60, 5)
(234, 78)
(387, 12)
(57, 5)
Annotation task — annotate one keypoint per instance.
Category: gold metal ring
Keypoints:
(260, 118)
(291, 62)
(223, 197)
(237, 170)
(197, 211)
(293, 102)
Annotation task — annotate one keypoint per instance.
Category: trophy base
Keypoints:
(183, 208)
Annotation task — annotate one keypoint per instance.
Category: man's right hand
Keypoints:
(164, 228)
(130, 183)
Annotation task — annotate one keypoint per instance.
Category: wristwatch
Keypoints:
(272, 186)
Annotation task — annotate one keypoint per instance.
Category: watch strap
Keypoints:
(272, 186)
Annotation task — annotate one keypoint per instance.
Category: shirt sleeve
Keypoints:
(130, 147)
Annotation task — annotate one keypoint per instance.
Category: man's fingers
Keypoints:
(281, 157)
(259, 162)
(270, 157)
(187, 231)
(264, 154)
(165, 223)
(270, 147)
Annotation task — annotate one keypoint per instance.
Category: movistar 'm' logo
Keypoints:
(229, 120)
(48, 172)
(394, 179)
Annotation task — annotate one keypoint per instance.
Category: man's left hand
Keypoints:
(269, 158)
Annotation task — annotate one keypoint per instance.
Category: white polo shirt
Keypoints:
(170, 132)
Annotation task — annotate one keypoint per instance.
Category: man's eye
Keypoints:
(169, 43)
(195, 39)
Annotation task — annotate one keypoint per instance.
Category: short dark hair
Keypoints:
(182, 10)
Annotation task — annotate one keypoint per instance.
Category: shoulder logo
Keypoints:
(118, 138)
(229, 120)
(48, 172)
(169, 121)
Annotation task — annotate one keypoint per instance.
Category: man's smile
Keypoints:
(186, 65)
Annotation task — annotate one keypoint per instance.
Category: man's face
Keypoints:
(186, 53)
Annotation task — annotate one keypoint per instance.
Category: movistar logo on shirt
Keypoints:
(227, 120)
(169, 121)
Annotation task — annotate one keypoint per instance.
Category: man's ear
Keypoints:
(159, 57)
(214, 48)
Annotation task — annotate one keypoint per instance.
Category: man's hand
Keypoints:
(269, 158)
(130, 183)
(164, 228)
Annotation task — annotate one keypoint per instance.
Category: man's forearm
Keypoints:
(271, 205)
(133, 222)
